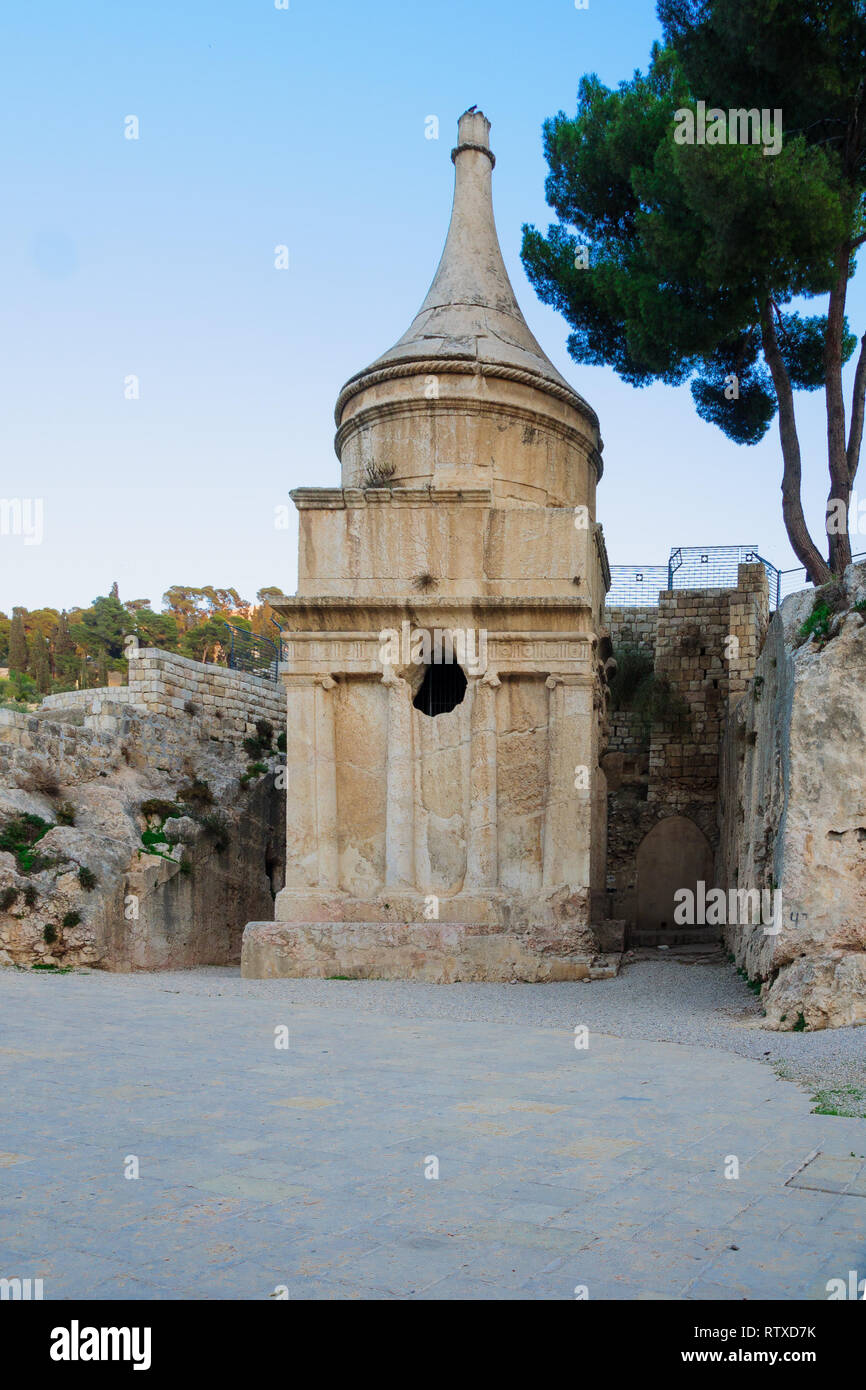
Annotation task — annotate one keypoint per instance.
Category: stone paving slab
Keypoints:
(306, 1168)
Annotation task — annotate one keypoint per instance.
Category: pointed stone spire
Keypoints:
(470, 314)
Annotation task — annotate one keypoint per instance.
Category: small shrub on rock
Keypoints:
(72, 919)
(31, 895)
(46, 783)
(8, 898)
(196, 793)
(254, 770)
(49, 934)
(87, 878)
(18, 837)
(66, 813)
(157, 806)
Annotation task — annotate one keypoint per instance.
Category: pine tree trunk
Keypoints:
(817, 569)
(837, 453)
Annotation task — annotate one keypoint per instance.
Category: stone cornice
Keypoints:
(338, 498)
(601, 547)
(535, 619)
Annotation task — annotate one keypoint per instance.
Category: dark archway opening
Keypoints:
(441, 690)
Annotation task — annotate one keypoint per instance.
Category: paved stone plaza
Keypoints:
(261, 1167)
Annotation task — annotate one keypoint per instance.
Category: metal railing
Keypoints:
(792, 580)
(636, 586)
(716, 566)
(253, 653)
(689, 567)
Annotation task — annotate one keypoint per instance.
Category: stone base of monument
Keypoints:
(436, 952)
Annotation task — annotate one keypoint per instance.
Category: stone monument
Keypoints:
(444, 670)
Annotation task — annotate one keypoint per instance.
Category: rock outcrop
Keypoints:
(793, 809)
(135, 840)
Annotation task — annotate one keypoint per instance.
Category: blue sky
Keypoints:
(155, 258)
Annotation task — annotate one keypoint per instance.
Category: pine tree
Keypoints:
(83, 681)
(115, 592)
(102, 670)
(18, 658)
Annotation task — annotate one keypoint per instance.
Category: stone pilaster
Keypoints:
(482, 864)
(400, 778)
(568, 812)
(311, 784)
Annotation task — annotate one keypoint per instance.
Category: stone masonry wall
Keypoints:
(634, 626)
(706, 648)
(227, 702)
(705, 643)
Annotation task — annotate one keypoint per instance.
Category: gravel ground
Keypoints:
(701, 1002)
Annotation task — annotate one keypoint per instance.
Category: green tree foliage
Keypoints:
(263, 615)
(156, 629)
(19, 689)
(207, 641)
(77, 648)
(65, 657)
(683, 262)
(18, 654)
(190, 606)
(40, 661)
(103, 627)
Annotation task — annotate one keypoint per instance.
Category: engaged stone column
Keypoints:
(482, 860)
(311, 783)
(400, 777)
(571, 758)
(326, 783)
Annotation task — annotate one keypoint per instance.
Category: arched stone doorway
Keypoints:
(675, 854)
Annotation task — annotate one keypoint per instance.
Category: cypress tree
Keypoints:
(64, 651)
(18, 659)
(39, 662)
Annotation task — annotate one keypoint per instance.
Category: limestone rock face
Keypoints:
(98, 895)
(821, 991)
(794, 815)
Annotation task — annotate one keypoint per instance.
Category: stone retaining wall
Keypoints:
(704, 644)
(633, 627)
(160, 682)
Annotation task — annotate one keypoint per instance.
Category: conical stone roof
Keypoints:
(470, 320)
